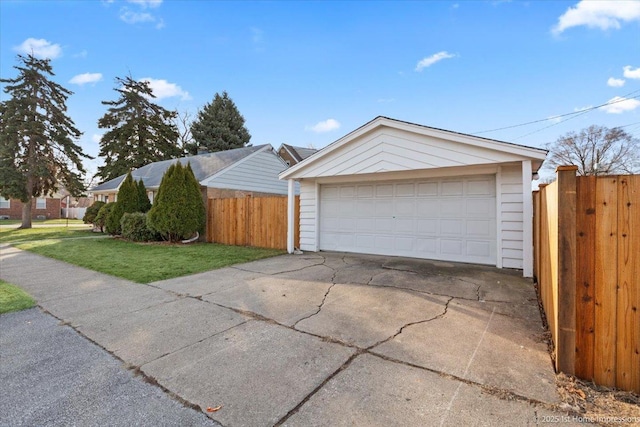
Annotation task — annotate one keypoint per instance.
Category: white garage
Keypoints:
(402, 189)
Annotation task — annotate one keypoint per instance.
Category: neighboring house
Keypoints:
(396, 188)
(294, 155)
(232, 173)
(41, 208)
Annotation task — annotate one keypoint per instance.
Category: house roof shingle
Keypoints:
(203, 165)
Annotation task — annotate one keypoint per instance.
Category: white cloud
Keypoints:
(430, 60)
(599, 14)
(630, 73)
(131, 17)
(325, 126)
(85, 78)
(163, 89)
(554, 119)
(146, 3)
(582, 108)
(613, 82)
(96, 138)
(618, 105)
(40, 48)
(81, 54)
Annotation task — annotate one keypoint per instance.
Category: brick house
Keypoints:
(41, 208)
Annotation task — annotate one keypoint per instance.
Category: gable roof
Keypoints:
(430, 138)
(203, 165)
(298, 153)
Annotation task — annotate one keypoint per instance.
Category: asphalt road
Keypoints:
(52, 376)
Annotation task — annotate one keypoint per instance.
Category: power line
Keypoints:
(575, 113)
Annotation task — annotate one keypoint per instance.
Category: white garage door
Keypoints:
(447, 219)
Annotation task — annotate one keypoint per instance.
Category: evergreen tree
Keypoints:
(37, 148)
(139, 131)
(143, 199)
(127, 203)
(220, 126)
(178, 210)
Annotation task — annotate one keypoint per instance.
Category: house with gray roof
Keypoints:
(293, 155)
(232, 173)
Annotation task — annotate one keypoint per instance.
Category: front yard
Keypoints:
(138, 262)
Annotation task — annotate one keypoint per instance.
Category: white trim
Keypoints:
(499, 217)
(291, 210)
(533, 153)
(294, 157)
(317, 218)
(527, 220)
(239, 162)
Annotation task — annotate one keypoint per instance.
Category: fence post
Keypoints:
(567, 199)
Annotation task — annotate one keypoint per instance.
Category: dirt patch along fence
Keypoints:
(587, 265)
(251, 221)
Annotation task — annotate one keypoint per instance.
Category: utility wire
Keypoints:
(575, 113)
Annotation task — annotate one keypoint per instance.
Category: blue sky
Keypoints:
(310, 72)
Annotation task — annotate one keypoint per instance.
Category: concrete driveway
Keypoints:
(319, 339)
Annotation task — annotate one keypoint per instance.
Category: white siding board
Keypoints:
(259, 174)
(511, 223)
(308, 212)
(408, 150)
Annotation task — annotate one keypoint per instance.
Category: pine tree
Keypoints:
(127, 203)
(178, 210)
(139, 131)
(220, 126)
(143, 199)
(37, 148)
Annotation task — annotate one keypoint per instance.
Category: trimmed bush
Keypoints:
(134, 227)
(91, 213)
(143, 200)
(103, 214)
(178, 210)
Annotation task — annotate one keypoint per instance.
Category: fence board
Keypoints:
(251, 221)
(606, 278)
(627, 316)
(585, 275)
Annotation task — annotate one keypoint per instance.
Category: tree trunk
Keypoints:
(26, 214)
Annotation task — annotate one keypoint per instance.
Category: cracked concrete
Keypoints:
(319, 339)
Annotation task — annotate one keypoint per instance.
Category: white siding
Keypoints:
(258, 173)
(389, 150)
(308, 213)
(511, 223)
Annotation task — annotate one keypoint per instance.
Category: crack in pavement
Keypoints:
(439, 316)
(326, 294)
(284, 271)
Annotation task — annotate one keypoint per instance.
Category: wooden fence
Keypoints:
(251, 221)
(587, 264)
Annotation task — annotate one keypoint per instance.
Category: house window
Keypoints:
(5, 203)
(41, 203)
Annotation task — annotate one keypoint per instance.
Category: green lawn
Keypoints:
(12, 298)
(144, 263)
(13, 235)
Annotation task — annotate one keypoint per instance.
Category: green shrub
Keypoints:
(134, 227)
(112, 222)
(91, 213)
(178, 210)
(103, 214)
(143, 200)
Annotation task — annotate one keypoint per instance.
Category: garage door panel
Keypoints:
(480, 227)
(427, 226)
(452, 188)
(455, 207)
(427, 189)
(405, 190)
(451, 247)
(452, 227)
(478, 249)
(449, 219)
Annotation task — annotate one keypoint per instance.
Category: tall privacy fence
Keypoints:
(587, 265)
(251, 221)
